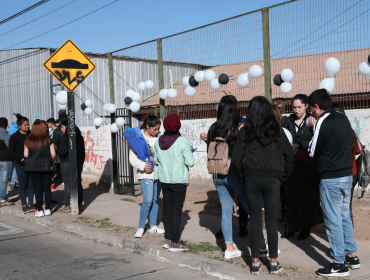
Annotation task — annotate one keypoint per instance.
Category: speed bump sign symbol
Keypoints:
(69, 65)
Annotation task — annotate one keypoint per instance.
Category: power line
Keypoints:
(24, 11)
(38, 18)
(63, 25)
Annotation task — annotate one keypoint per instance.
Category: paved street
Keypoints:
(33, 252)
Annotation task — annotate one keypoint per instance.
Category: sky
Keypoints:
(119, 25)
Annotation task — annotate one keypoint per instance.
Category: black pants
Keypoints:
(243, 216)
(25, 185)
(173, 201)
(268, 189)
(64, 169)
(41, 184)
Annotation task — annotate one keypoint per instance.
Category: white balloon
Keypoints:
(134, 107)
(185, 81)
(199, 76)
(172, 93)
(113, 128)
(163, 94)
(215, 84)
(63, 107)
(190, 91)
(136, 97)
(287, 75)
(129, 93)
(328, 84)
(111, 108)
(88, 111)
(364, 68)
(255, 71)
(286, 87)
(88, 103)
(332, 66)
(120, 122)
(243, 80)
(210, 75)
(98, 121)
(105, 107)
(62, 97)
(141, 86)
(149, 84)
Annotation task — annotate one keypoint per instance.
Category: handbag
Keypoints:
(363, 170)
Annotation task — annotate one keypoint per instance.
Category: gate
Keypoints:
(125, 174)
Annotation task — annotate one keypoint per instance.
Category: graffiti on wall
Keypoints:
(191, 129)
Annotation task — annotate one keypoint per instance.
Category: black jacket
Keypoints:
(4, 152)
(16, 146)
(63, 148)
(331, 144)
(301, 137)
(262, 158)
(57, 133)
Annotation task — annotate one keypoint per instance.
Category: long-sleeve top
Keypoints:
(16, 146)
(4, 145)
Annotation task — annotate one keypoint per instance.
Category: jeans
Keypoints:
(64, 169)
(5, 172)
(25, 185)
(259, 190)
(335, 195)
(151, 191)
(14, 176)
(227, 186)
(173, 202)
(41, 185)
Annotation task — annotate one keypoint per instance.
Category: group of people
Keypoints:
(305, 162)
(33, 153)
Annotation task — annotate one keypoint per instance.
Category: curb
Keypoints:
(204, 266)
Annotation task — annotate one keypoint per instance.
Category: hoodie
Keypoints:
(167, 139)
(262, 157)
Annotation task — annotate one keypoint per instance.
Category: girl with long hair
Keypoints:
(150, 185)
(262, 159)
(16, 149)
(39, 151)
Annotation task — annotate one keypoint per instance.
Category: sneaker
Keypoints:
(2, 200)
(275, 269)
(156, 229)
(139, 233)
(32, 208)
(334, 269)
(166, 244)
(47, 212)
(53, 188)
(234, 254)
(255, 269)
(39, 214)
(180, 246)
(243, 231)
(353, 263)
(25, 209)
(65, 209)
(219, 234)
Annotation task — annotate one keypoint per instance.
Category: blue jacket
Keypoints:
(13, 128)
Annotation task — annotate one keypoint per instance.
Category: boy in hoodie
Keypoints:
(173, 156)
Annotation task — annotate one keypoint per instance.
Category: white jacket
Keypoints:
(140, 165)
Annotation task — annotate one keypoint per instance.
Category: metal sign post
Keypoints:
(72, 153)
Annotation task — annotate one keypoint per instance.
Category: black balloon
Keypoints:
(128, 100)
(83, 106)
(223, 79)
(278, 80)
(193, 82)
(368, 59)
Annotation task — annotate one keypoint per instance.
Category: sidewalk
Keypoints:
(120, 215)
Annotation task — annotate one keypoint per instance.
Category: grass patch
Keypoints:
(202, 247)
(128, 199)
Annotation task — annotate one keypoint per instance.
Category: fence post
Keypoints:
(266, 52)
(113, 120)
(162, 109)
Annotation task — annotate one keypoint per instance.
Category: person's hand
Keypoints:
(22, 159)
(240, 126)
(295, 148)
(312, 120)
(148, 169)
(203, 136)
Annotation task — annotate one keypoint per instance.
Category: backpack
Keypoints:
(363, 170)
(218, 162)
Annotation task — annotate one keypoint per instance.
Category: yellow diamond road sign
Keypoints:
(69, 65)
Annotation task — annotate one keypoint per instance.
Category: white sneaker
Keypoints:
(39, 214)
(47, 212)
(139, 233)
(156, 229)
(234, 254)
